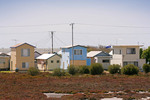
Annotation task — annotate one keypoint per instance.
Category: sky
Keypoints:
(96, 22)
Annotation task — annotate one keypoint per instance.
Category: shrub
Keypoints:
(115, 68)
(96, 69)
(59, 72)
(72, 70)
(33, 71)
(129, 69)
(146, 68)
(84, 69)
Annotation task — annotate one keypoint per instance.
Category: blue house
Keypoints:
(76, 55)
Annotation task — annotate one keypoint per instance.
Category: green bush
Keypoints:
(130, 69)
(59, 72)
(33, 71)
(84, 69)
(115, 68)
(96, 69)
(146, 68)
(72, 69)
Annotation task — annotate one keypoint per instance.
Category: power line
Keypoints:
(37, 25)
(60, 40)
(123, 26)
(34, 25)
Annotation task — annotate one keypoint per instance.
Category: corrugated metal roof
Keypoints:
(45, 56)
(93, 53)
(70, 46)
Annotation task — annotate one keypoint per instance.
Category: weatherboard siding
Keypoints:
(17, 59)
(4, 65)
(54, 65)
(68, 56)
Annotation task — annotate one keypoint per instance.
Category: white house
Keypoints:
(127, 54)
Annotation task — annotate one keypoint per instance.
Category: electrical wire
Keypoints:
(122, 26)
(35, 25)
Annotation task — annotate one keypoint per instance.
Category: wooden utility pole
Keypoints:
(52, 32)
(72, 45)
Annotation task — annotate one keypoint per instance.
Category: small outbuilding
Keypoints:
(4, 61)
(48, 62)
(99, 57)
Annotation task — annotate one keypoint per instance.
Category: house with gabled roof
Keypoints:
(99, 57)
(73, 55)
(4, 61)
(47, 62)
(22, 56)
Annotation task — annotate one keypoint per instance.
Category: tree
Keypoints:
(141, 51)
(146, 54)
(146, 68)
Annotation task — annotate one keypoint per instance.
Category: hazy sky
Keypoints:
(97, 22)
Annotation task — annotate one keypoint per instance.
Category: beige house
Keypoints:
(4, 61)
(48, 61)
(100, 57)
(127, 54)
(22, 56)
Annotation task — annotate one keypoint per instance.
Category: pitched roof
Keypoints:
(70, 46)
(9, 53)
(3, 54)
(37, 52)
(93, 53)
(97, 53)
(45, 56)
(17, 45)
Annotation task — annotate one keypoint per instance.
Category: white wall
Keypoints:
(65, 60)
(142, 62)
(116, 59)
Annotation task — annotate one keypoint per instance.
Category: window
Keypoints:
(125, 63)
(25, 52)
(57, 61)
(136, 63)
(77, 52)
(131, 51)
(25, 65)
(2, 61)
(117, 51)
(105, 61)
(52, 61)
(130, 62)
(120, 52)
